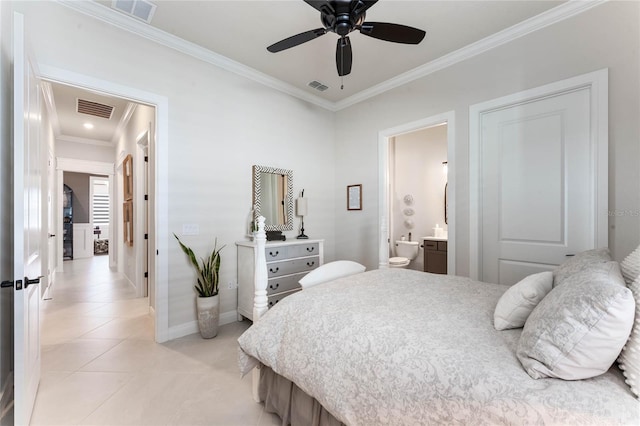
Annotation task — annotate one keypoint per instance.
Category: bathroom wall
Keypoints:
(417, 170)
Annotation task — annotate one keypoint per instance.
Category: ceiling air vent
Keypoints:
(95, 109)
(139, 9)
(318, 86)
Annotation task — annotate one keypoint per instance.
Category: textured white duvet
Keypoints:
(400, 347)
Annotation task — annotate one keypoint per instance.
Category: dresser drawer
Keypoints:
(300, 250)
(272, 300)
(276, 253)
(291, 251)
(277, 269)
(285, 283)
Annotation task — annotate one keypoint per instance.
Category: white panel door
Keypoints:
(27, 227)
(537, 185)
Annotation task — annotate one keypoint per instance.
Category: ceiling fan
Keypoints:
(342, 17)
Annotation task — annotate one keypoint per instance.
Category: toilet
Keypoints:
(406, 251)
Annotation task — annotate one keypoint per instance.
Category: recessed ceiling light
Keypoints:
(88, 126)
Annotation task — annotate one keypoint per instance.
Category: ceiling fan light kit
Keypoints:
(342, 17)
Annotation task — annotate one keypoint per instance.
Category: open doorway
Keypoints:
(417, 199)
(90, 165)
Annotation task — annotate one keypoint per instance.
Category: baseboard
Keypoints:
(228, 317)
(192, 326)
(152, 312)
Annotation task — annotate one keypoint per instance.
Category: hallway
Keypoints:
(100, 364)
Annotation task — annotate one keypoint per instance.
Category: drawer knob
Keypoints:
(310, 264)
(271, 286)
(274, 255)
(276, 270)
(310, 249)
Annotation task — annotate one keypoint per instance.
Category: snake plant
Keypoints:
(208, 270)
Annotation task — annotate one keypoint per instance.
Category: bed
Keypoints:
(396, 346)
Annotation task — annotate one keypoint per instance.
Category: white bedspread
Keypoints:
(400, 347)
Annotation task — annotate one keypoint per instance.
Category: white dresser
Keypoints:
(287, 262)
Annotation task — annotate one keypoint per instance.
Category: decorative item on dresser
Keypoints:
(287, 262)
(301, 210)
(208, 278)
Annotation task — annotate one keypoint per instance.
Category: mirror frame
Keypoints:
(257, 189)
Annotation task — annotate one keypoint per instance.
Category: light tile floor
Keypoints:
(101, 366)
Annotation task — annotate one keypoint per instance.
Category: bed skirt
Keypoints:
(282, 397)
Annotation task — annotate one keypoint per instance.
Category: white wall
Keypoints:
(418, 171)
(606, 36)
(220, 124)
(83, 151)
(129, 261)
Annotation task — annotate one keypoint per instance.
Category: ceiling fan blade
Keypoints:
(296, 40)
(392, 32)
(321, 5)
(344, 56)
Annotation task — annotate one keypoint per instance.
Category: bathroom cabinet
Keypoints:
(287, 263)
(435, 255)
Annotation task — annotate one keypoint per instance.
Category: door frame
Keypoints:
(159, 235)
(597, 83)
(384, 139)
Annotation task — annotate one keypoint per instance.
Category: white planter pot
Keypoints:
(208, 309)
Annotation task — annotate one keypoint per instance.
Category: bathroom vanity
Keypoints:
(287, 262)
(435, 255)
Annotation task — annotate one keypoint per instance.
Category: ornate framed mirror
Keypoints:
(273, 197)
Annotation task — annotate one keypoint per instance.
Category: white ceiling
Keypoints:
(69, 124)
(240, 31)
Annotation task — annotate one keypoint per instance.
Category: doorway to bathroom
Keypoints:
(417, 193)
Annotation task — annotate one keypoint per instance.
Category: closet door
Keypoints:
(539, 178)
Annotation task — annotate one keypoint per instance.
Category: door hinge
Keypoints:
(146, 197)
(146, 275)
(146, 158)
(146, 236)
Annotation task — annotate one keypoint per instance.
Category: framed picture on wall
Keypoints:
(354, 197)
(127, 221)
(127, 177)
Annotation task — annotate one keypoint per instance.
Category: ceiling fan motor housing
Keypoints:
(343, 18)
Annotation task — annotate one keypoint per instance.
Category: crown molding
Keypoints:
(117, 19)
(88, 141)
(126, 116)
(557, 14)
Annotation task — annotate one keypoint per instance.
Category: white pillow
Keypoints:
(630, 266)
(330, 271)
(578, 330)
(518, 301)
(581, 261)
(630, 358)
